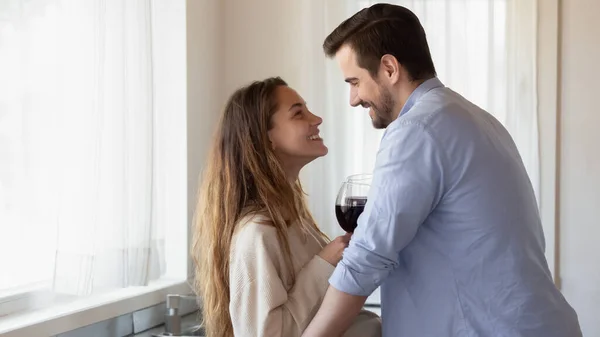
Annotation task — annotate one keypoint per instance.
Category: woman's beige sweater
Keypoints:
(264, 301)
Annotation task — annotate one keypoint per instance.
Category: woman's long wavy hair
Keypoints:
(242, 177)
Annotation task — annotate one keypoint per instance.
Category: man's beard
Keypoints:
(383, 110)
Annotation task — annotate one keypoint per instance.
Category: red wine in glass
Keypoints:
(347, 215)
(350, 203)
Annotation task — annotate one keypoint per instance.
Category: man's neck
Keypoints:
(404, 93)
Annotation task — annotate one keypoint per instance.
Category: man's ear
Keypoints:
(390, 68)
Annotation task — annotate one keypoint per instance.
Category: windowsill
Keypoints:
(33, 296)
(187, 321)
(82, 312)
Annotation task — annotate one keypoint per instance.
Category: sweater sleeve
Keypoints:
(260, 305)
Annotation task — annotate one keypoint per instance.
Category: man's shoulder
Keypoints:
(434, 104)
(440, 111)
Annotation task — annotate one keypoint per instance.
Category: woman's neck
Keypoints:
(292, 175)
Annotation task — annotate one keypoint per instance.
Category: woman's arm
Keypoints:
(260, 305)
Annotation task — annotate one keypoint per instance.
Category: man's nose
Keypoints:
(354, 99)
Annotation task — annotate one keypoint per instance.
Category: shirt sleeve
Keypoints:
(260, 305)
(407, 184)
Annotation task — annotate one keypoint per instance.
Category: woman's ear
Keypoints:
(270, 140)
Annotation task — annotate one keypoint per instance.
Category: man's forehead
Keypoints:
(346, 56)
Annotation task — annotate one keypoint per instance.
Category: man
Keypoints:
(451, 230)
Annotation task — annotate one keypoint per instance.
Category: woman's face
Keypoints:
(294, 134)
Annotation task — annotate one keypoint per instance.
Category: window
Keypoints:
(92, 148)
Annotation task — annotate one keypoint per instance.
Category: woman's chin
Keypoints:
(317, 154)
(323, 150)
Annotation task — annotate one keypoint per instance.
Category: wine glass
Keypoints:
(364, 178)
(350, 203)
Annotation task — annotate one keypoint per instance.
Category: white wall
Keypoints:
(170, 71)
(204, 86)
(256, 48)
(579, 165)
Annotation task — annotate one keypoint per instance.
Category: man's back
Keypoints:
(476, 265)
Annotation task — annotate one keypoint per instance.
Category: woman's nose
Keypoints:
(316, 120)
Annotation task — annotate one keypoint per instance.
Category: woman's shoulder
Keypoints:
(252, 230)
(253, 225)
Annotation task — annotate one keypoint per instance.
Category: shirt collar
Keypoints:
(423, 88)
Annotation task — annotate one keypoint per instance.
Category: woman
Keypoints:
(262, 264)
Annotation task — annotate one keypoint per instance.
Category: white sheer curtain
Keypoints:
(483, 49)
(81, 173)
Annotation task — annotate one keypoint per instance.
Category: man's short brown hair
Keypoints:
(384, 29)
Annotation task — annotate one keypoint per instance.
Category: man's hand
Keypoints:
(336, 314)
